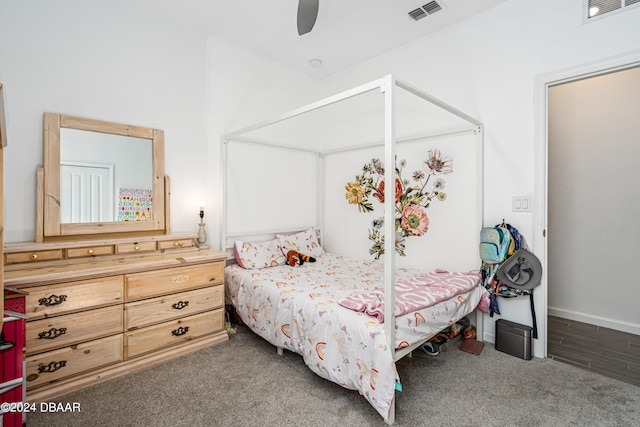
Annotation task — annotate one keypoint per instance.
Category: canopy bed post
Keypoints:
(389, 90)
(479, 131)
(389, 209)
(224, 160)
(321, 195)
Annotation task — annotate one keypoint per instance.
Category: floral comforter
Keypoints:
(297, 308)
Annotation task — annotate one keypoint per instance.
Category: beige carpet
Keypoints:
(245, 383)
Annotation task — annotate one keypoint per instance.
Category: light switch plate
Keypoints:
(521, 204)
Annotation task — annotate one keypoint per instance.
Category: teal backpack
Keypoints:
(494, 244)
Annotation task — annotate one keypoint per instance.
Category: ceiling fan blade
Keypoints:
(307, 14)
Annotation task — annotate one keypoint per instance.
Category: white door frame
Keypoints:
(542, 84)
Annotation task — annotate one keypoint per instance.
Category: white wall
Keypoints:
(487, 66)
(243, 89)
(119, 61)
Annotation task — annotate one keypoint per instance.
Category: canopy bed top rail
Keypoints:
(246, 140)
(379, 143)
(412, 138)
(381, 84)
(310, 107)
(435, 101)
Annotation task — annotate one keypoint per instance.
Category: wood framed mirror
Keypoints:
(100, 178)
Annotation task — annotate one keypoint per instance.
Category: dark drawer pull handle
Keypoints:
(51, 367)
(4, 344)
(52, 333)
(180, 305)
(53, 300)
(180, 331)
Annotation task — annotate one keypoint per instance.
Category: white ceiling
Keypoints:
(346, 33)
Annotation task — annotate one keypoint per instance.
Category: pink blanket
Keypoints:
(411, 295)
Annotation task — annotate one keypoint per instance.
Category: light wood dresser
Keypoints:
(98, 309)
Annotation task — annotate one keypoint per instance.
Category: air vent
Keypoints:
(599, 8)
(431, 7)
(427, 9)
(417, 14)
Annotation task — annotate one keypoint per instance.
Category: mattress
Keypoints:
(299, 309)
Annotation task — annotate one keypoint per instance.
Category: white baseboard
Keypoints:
(489, 337)
(618, 325)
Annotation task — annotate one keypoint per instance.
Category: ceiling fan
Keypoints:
(307, 14)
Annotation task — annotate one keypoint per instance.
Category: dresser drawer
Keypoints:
(35, 256)
(90, 251)
(129, 248)
(51, 300)
(161, 309)
(174, 332)
(57, 364)
(60, 331)
(176, 244)
(161, 282)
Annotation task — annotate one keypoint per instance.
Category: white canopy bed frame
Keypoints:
(389, 86)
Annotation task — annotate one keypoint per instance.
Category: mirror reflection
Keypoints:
(105, 177)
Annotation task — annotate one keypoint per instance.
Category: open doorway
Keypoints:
(593, 239)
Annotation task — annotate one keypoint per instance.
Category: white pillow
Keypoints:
(305, 242)
(253, 256)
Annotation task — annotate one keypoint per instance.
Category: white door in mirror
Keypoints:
(87, 192)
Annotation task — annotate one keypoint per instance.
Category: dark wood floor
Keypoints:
(606, 351)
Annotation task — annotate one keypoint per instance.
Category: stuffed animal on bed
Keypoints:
(297, 258)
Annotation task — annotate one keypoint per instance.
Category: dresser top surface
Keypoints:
(69, 244)
(23, 275)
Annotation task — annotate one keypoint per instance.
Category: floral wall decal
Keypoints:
(412, 197)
